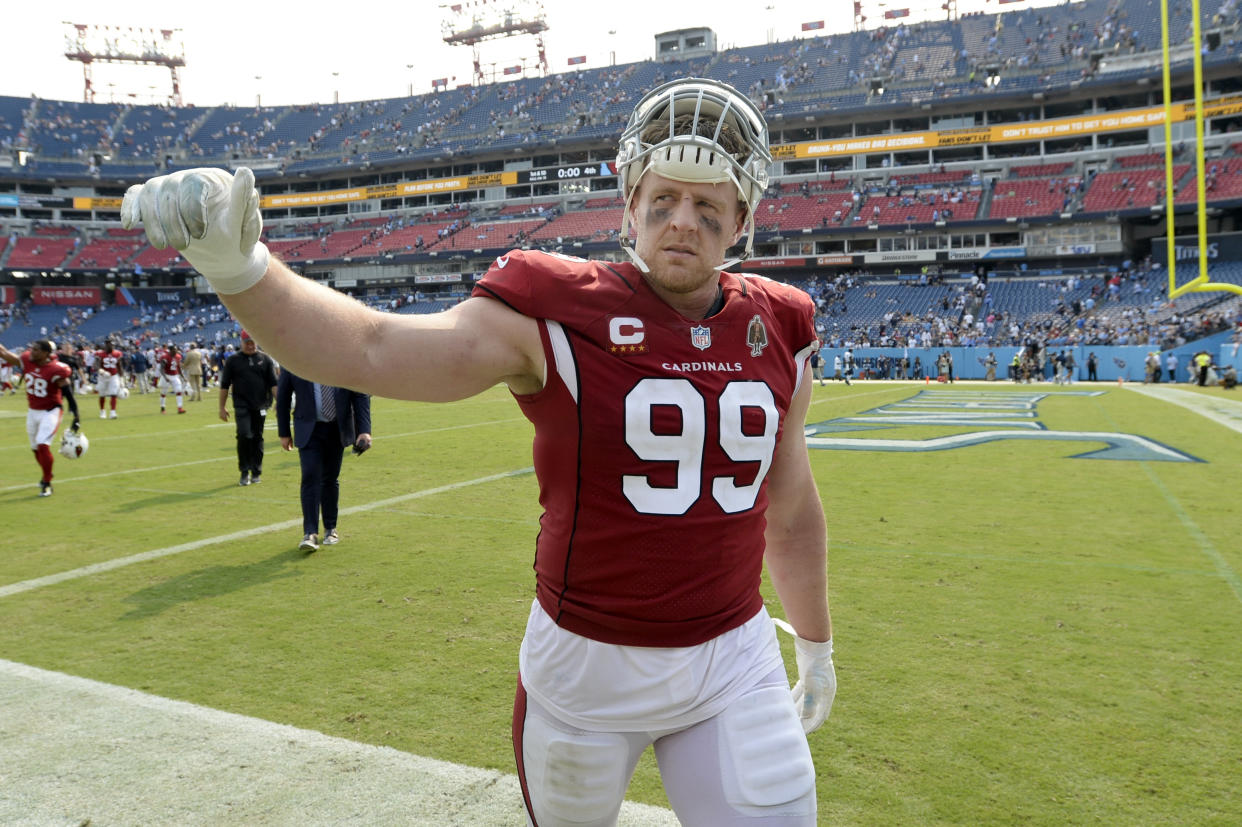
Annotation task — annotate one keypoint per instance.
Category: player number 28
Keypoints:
(686, 448)
(36, 386)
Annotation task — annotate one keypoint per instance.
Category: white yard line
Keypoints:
(109, 565)
(77, 751)
(94, 440)
(61, 481)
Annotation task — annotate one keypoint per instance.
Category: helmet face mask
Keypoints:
(698, 122)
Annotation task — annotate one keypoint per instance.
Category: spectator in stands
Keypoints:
(693, 166)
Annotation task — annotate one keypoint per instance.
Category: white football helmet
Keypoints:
(123, 392)
(692, 157)
(74, 444)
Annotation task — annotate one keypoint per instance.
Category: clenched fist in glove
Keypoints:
(817, 682)
(210, 216)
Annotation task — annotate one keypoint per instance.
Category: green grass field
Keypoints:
(1022, 636)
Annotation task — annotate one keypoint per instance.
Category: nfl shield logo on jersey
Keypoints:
(701, 337)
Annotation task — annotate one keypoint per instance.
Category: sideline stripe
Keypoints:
(108, 565)
(1227, 412)
(136, 757)
(1205, 543)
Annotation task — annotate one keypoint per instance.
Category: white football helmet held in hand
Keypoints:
(210, 216)
(74, 444)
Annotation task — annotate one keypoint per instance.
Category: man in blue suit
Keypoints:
(325, 420)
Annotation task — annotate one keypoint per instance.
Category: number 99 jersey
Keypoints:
(654, 435)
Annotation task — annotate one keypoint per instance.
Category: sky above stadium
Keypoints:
(239, 53)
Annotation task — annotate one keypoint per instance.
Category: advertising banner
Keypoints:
(77, 296)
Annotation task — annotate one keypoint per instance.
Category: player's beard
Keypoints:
(680, 268)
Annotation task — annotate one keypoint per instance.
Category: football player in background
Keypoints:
(7, 378)
(668, 398)
(47, 379)
(169, 361)
(108, 358)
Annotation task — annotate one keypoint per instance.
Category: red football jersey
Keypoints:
(654, 435)
(109, 361)
(42, 392)
(170, 363)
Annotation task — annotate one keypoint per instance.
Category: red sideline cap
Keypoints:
(245, 335)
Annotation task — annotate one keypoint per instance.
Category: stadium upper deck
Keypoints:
(832, 79)
(955, 181)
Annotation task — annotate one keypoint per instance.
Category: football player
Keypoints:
(108, 358)
(668, 397)
(46, 379)
(170, 377)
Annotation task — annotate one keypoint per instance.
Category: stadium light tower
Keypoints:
(472, 23)
(89, 44)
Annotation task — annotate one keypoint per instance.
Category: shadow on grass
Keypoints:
(174, 498)
(209, 582)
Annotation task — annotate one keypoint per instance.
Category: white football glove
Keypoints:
(210, 216)
(817, 682)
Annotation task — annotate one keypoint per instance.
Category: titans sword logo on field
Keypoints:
(998, 415)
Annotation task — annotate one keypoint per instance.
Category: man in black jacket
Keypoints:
(252, 377)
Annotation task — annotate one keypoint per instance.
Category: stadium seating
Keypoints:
(1029, 197)
(1129, 189)
(923, 207)
(35, 253)
(580, 226)
(1223, 180)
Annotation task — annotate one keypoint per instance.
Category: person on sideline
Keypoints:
(169, 362)
(192, 366)
(110, 378)
(668, 397)
(46, 379)
(325, 420)
(251, 375)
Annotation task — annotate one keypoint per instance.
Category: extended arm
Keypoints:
(213, 218)
(9, 356)
(332, 339)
